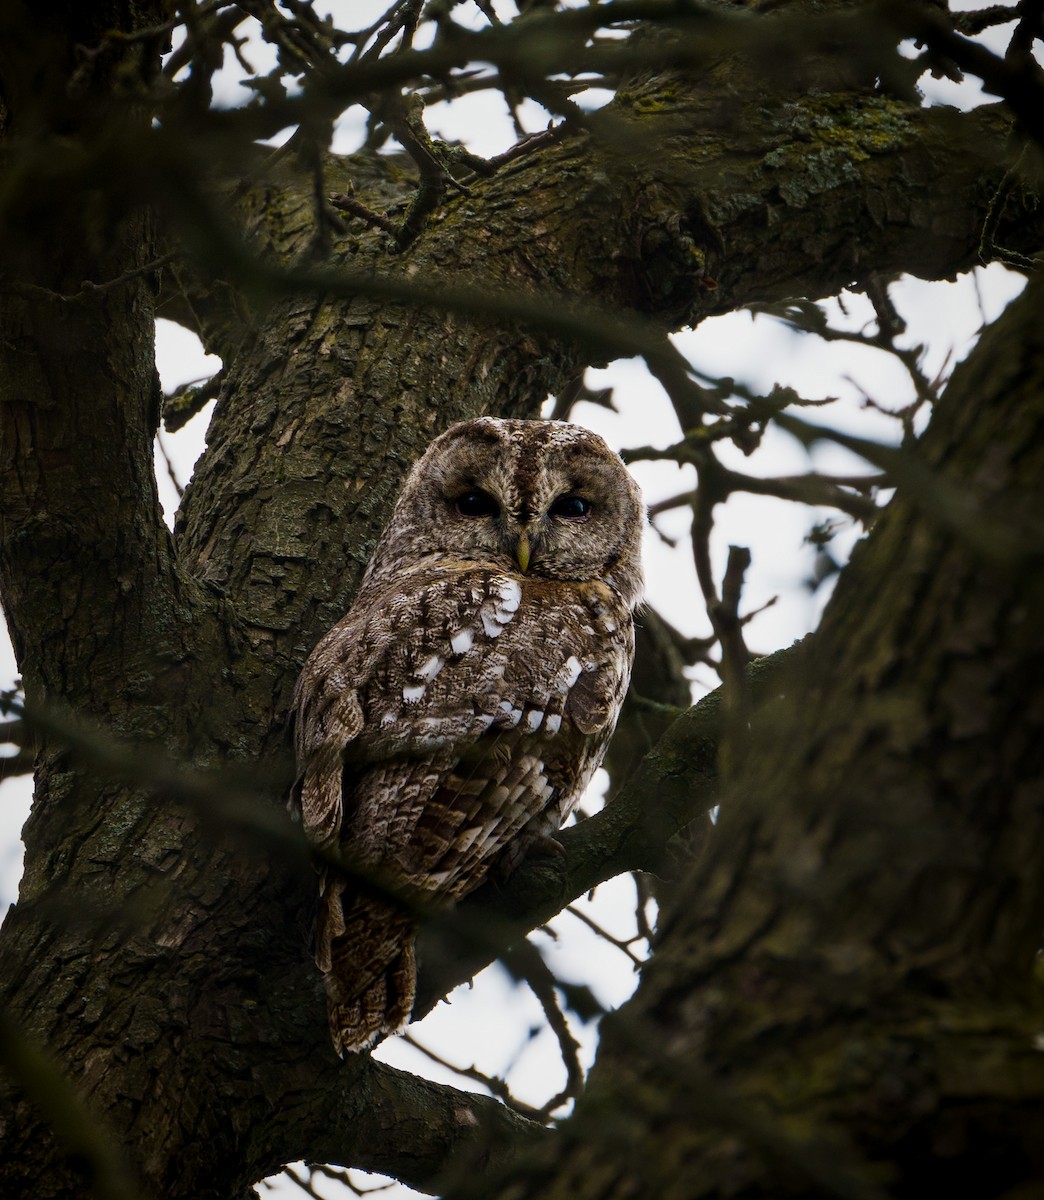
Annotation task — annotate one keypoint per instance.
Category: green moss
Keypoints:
(647, 101)
(654, 102)
(823, 138)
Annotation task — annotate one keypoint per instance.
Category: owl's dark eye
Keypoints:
(477, 504)
(571, 508)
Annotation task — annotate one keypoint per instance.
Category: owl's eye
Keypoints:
(571, 508)
(477, 504)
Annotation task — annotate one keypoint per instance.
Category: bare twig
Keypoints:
(219, 26)
(623, 946)
(734, 656)
(1020, 83)
(989, 248)
(643, 897)
(981, 19)
(305, 1185)
(172, 475)
(182, 404)
(88, 287)
(526, 962)
(827, 490)
(403, 114)
(345, 1177)
(346, 202)
(402, 18)
(492, 1083)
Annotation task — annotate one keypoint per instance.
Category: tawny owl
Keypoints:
(457, 712)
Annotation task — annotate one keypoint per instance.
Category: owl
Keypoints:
(455, 715)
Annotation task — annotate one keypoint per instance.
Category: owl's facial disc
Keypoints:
(520, 530)
(541, 498)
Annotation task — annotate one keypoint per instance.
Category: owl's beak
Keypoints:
(522, 551)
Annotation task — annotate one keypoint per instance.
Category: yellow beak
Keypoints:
(522, 551)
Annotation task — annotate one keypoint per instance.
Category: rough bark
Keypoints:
(843, 1000)
(159, 948)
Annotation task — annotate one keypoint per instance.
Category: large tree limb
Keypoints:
(845, 988)
(423, 1133)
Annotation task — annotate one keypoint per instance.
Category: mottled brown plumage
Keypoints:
(460, 708)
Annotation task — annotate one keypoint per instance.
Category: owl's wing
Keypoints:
(328, 718)
(485, 718)
(468, 655)
(467, 704)
(593, 701)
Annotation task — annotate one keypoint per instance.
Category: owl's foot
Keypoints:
(539, 846)
(545, 845)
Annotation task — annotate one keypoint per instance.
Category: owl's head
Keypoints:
(543, 498)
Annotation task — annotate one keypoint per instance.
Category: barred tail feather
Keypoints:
(383, 1008)
(364, 947)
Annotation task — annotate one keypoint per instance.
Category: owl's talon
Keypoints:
(544, 845)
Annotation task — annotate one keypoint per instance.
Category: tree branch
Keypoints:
(676, 783)
(423, 1133)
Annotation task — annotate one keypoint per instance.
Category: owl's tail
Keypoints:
(384, 1007)
(364, 946)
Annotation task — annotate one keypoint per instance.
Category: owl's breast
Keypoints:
(483, 652)
(486, 701)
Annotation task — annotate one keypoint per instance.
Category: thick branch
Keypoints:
(423, 1133)
(675, 785)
